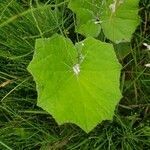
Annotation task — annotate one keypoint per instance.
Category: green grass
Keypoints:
(24, 126)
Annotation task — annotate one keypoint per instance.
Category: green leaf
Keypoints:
(120, 19)
(76, 83)
(117, 18)
(87, 15)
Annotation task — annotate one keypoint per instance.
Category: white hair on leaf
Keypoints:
(82, 44)
(115, 3)
(98, 22)
(112, 6)
(76, 69)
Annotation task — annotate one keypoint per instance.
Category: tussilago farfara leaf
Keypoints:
(120, 19)
(87, 14)
(117, 18)
(76, 83)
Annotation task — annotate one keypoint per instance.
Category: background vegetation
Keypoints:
(24, 126)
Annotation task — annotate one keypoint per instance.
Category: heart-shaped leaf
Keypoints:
(87, 16)
(120, 19)
(76, 83)
(117, 18)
